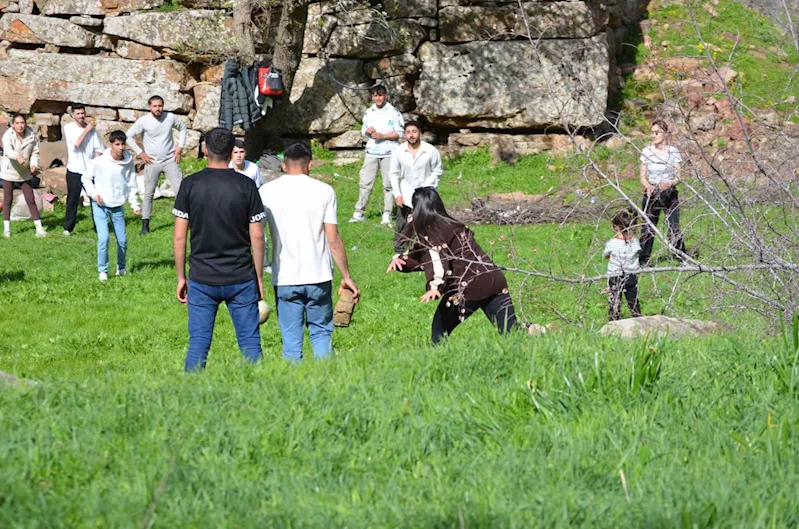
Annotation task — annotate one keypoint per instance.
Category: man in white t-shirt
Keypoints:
(243, 166)
(301, 213)
(83, 144)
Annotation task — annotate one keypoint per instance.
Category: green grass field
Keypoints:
(567, 430)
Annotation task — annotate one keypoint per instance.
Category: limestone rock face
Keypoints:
(320, 106)
(27, 77)
(351, 139)
(187, 29)
(390, 66)
(207, 98)
(94, 7)
(661, 325)
(133, 50)
(574, 20)
(376, 39)
(505, 85)
(34, 29)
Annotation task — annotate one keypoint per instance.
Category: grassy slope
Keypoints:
(391, 432)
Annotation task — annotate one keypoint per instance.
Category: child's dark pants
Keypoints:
(629, 286)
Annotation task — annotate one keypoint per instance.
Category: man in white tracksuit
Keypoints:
(160, 154)
(384, 127)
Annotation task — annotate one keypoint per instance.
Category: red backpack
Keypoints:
(270, 81)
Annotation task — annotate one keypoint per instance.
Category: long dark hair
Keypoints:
(429, 215)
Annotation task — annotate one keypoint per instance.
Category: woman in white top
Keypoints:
(19, 163)
(660, 169)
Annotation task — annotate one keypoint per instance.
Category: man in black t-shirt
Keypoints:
(224, 211)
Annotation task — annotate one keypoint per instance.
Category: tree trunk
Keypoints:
(242, 24)
(287, 56)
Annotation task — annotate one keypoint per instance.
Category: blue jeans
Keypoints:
(101, 215)
(299, 306)
(242, 304)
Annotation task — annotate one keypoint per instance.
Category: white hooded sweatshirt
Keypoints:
(385, 121)
(114, 181)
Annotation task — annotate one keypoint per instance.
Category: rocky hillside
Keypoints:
(464, 64)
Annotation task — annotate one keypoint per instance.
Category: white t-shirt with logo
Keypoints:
(297, 208)
(79, 158)
(251, 171)
(661, 167)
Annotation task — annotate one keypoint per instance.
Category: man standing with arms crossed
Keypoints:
(414, 164)
(83, 144)
(225, 214)
(383, 126)
(301, 212)
(159, 154)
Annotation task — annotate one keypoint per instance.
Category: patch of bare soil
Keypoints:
(518, 208)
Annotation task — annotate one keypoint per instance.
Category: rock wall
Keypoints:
(463, 64)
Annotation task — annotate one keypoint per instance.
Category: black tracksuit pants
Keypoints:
(668, 202)
(498, 308)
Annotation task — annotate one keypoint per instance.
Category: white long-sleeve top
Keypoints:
(408, 173)
(385, 120)
(113, 180)
(158, 141)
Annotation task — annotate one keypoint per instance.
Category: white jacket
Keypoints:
(385, 120)
(112, 180)
(13, 145)
(407, 173)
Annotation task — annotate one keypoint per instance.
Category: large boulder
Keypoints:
(186, 30)
(207, 97)
(572, 20)
(34, 29)
(661, 325)
(319, 105)
(390, 66)
(28, 76)
(94, 7)
(512, 85)
(376, 39)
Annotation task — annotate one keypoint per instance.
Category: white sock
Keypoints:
(6, 225)
(38, 224)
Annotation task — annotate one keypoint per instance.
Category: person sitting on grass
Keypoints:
(109, 179)
(622, 252)
(458, 271)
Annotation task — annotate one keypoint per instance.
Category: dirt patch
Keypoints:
(519, 208)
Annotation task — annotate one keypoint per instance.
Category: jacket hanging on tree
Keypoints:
(239, 101)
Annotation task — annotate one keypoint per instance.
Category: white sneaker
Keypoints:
(386, 221)
(7, 234)
(122, 272)
(67, 233)
(268, 270)
(103, 276)
(41, 233)
(357, 217)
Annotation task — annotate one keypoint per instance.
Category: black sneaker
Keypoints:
(145, 227)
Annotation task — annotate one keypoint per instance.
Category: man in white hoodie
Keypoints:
(384, 127)
(109, 180)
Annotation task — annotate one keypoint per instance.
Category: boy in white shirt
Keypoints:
(622, 254)
(384, 127)
(243, 166)
(109, 180)
(83, 144)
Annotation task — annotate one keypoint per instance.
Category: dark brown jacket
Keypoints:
(455, 264)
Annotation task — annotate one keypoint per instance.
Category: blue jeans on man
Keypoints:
(299, 306)
(242, 304)
(101, 214)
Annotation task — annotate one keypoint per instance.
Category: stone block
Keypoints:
(390, 66)
(184, 30)
(351, 139)
(28, 77)
(95, 7)
(129, 115)
(86, 21)
(206, 100)
(377, 39)
(320, 106)
(133, 50)
(35, 29)
(507, 85)
(548, 20)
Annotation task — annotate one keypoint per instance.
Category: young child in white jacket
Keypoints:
(109, 180)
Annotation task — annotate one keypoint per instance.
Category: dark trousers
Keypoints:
(400, 242)
(74, 187)
(499, 309)
(627, 285)
(666, 201)
(27, 192)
